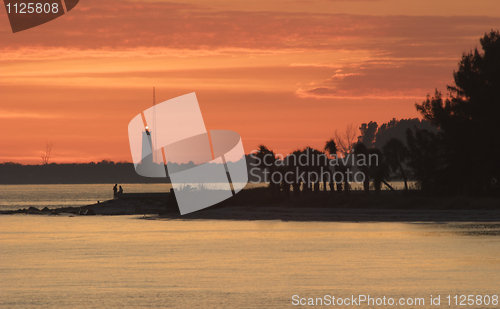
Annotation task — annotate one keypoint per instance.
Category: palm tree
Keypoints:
(361, 150)
(342, 185)
(316, 167)
(396, 153)
(285, 184)
(331, 148)
(379, 171)
(307, 186)
(268, 161)
(295, 168)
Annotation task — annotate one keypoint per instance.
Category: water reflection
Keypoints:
(123, 262)
(473, 229)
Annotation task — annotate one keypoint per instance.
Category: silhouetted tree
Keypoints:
(469, 120)
(331, 148)
(268, 162)
(345, 140)
(378, 169)
(307, 186)
(318, 167)
(368, 131)
(285, 184)
(427, 160)
(47, 153)
(361, 150)
(396, 128)
(294, 168)
(396, 153)
(340, 179)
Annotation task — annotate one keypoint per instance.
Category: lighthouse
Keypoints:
(147, 148)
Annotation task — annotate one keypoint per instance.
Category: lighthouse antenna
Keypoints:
(154, 126)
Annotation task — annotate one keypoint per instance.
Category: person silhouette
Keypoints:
(115, 189)
(121, 190)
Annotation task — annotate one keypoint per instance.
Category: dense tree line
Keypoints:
(79, 173)
(466, 151)
(455, 149)
(101, 172)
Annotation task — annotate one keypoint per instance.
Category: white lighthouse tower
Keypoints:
(147, 148)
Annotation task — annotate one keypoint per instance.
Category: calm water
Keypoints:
(126, 262)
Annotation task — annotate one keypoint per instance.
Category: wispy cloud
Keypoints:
(6, 114)
(394, 79)
(118, 25)
(317, 65)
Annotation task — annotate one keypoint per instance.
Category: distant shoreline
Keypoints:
(104, 172)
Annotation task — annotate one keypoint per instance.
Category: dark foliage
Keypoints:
(469, 148)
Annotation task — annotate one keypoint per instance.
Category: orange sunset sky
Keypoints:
(283, 73)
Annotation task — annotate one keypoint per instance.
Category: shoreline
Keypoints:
(261, 204)
(295, 214)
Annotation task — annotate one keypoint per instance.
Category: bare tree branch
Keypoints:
(346, 140)
(47, 153)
